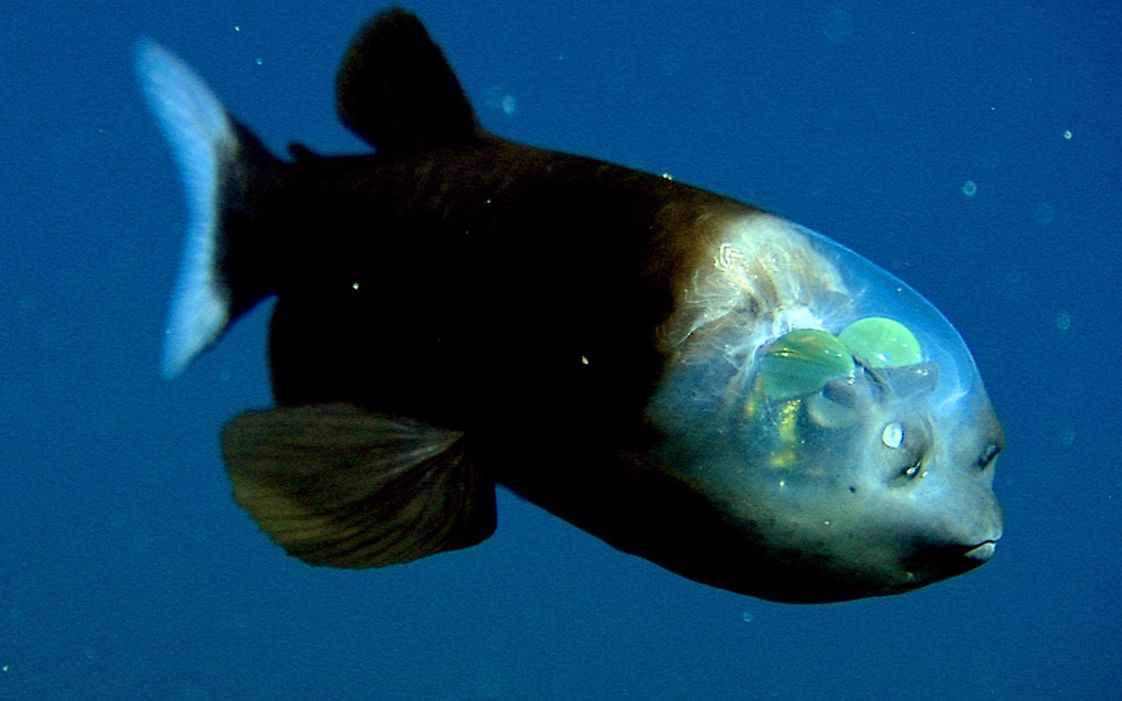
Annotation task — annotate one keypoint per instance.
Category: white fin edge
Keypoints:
(203, 141)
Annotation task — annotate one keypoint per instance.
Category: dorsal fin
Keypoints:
(396, 90)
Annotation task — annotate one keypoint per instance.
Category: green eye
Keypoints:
(880, 342)
(803, 361)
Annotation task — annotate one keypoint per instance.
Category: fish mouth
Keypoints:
(934, 564)
(982, 551)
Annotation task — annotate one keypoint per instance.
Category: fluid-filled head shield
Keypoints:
(831, 411)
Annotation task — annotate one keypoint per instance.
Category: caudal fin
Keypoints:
(213, 153)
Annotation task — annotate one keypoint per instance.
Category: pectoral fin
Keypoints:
(336, 485)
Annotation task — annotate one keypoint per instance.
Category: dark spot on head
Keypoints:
(852, 489)
(989, 454)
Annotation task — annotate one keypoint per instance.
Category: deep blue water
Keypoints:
(127, 572)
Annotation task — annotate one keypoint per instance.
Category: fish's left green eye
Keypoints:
(803, 361)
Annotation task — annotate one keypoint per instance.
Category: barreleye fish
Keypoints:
(690, 378)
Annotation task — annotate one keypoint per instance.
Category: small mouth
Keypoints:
(983, 551)
(940, 562)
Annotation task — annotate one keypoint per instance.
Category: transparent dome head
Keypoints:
(780, 313)
(828, 411)
(790, 352)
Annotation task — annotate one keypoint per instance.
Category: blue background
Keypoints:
(127, 572)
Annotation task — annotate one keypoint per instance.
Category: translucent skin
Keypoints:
(881, 479)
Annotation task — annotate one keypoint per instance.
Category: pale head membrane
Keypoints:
(831, 409)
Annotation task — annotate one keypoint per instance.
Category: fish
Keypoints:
(692, 379)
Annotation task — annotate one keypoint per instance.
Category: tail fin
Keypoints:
(212, 151)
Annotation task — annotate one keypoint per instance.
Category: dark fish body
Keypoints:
(533, 261)
(671, 370)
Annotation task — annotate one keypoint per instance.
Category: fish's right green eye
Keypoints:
(803, 361)
(880, 342)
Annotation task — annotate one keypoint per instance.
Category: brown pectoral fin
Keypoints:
(336, 485)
